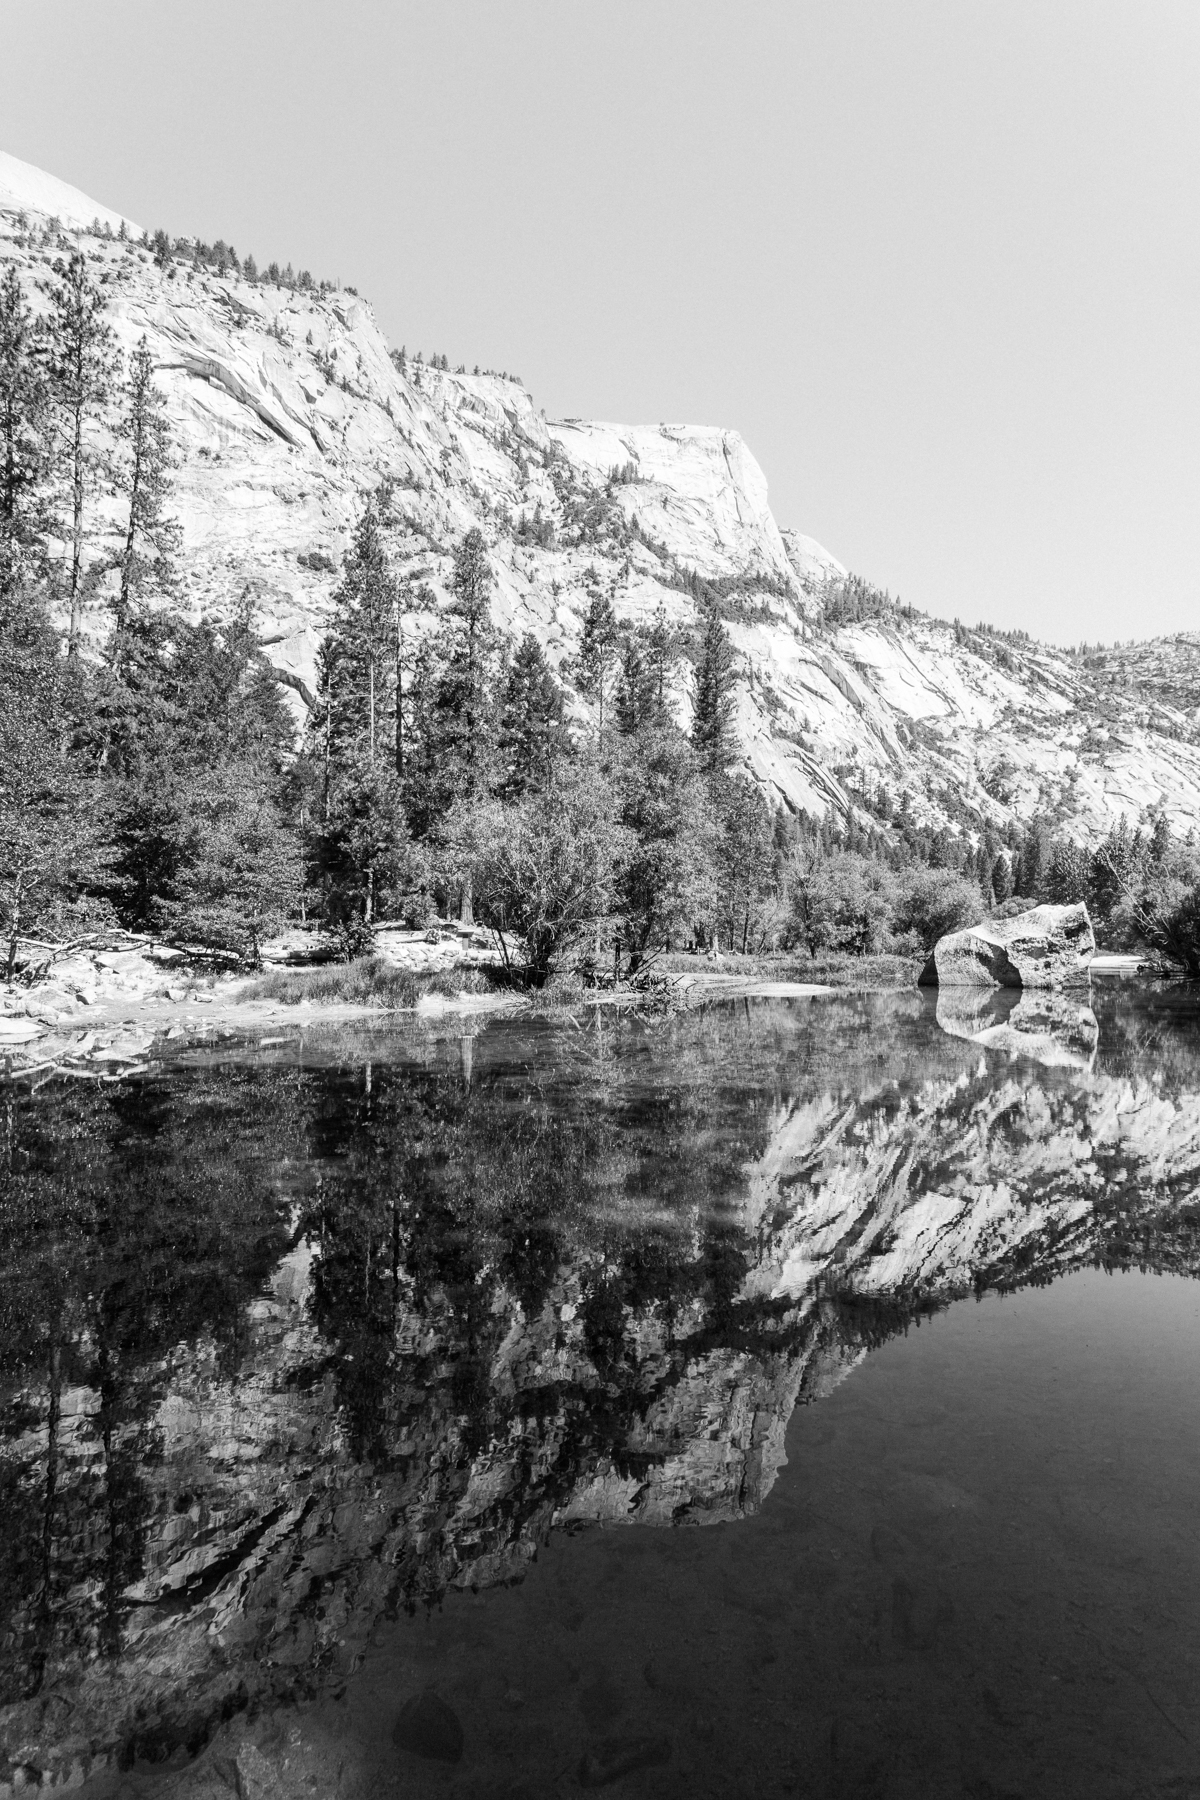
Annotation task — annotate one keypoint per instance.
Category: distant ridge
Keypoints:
(24, 188)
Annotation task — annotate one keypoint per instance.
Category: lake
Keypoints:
(788, 1397)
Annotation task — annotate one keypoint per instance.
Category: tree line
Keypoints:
(152, 776)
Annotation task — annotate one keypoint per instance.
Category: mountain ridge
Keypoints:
(287, 406)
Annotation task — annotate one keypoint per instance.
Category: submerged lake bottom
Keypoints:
(796, 1398)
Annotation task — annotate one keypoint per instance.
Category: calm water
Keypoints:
(361, 1396)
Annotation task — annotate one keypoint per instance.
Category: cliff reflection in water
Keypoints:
(287, 1347)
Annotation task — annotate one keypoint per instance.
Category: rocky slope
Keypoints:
(287, 408)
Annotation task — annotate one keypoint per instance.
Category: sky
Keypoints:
(938, 261)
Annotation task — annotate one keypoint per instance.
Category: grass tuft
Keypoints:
(828, 968)
(368, 981)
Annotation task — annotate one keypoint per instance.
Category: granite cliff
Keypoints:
(287, 408)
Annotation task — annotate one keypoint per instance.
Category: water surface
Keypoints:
(365, 1365)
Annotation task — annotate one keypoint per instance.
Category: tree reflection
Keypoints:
(284, 1348)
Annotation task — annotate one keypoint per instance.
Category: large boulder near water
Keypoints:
(1046, 947)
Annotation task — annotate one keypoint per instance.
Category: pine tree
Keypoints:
(637, 702)
(50, 844)
(533, 739)
(82, 364)
(662, 654)
(599, 647)
(357, 661)
(712, 718)
(1160, 841)
(23, 446)
(239, 876)
(361, 853)
(1067, 876)
(145, 477)
(358, 667)
(462, 692)
(1029, 875)
(425, 796)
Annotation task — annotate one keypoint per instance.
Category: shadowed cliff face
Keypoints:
(288, 1347)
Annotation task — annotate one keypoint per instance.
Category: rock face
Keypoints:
(286, 408)
(1047, 947)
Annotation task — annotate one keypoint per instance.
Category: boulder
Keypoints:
(1047, 947)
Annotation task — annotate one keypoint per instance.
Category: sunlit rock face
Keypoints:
(287, 409)
(285, 1349)
(1046, 947)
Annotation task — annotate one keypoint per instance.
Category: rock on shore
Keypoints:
(1047, 947)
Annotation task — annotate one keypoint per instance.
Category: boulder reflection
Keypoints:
(285, 1348)
(1055, 1029)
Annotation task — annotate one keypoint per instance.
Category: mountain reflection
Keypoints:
(287, 1346)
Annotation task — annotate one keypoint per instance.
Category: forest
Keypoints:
(153, 776)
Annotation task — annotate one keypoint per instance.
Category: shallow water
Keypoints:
(366, 1367)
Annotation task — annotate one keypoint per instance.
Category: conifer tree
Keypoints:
(712, 719)
(144, 476)
(49, 841)
(81, 364)
(599, 648)
(533, 739)
(637, 688)
(462, 692)
(1067, 876)
(1029, 875)
(423, 796)
(662, 654)
(239, 875)
(358, 665)
(23, 447)
(357, 659)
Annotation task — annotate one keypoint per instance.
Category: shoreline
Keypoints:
(115, 1037)
(118, 1034)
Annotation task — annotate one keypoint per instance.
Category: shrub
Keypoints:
(544, 868)
(934, 901)
(850, 900)
(1168, 923)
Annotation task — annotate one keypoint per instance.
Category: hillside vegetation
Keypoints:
(295, 625)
